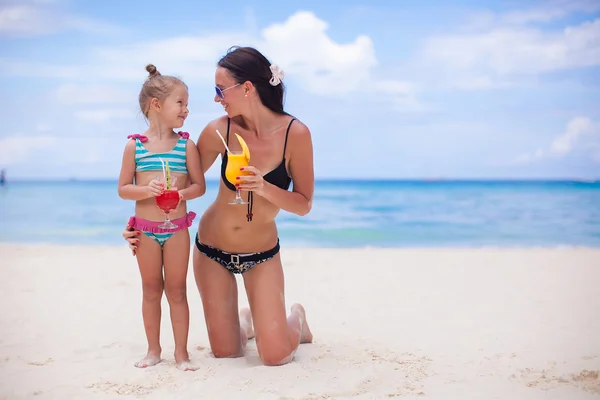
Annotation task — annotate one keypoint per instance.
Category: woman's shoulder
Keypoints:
(212, 126)
(209, 137)
(219, 123)
(298, 128)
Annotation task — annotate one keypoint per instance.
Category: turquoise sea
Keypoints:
(345, 214)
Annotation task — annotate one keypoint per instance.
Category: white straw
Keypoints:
(223, 140)
(164, 170)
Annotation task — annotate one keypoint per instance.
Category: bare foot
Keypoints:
(246, 322)
(306, 335)
(187, 365)
(182, 360)
(148, 361)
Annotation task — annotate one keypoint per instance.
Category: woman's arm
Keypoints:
(197, 185)
(209, 145)
(298, 201)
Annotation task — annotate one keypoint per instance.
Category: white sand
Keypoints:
(433, 324)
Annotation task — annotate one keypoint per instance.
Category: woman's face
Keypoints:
(228, 92)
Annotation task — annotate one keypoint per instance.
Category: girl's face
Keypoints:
(174, 108)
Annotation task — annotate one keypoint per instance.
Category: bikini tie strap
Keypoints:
(190, 217)
(184, 135)
(250, 198)
(142, 138)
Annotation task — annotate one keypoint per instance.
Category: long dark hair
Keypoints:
(248, 64)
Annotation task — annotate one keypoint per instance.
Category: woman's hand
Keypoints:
(251, 180)
(131, 236)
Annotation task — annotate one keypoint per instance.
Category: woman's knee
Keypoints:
(275, 354)
(227, 353)
(276, 358)
(226, 349)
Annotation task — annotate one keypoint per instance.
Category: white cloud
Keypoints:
(498, 50)
(35, 18)
(551, 11)
(42, 127)
(328, 68)
(576, 128)
(103, 115)
(518, 50)
(581, 133)
(50, 151)
(88, 94)
(16, 149)
(39, 69)
(322, 65)
(480, 82)
(191, 58)
(22, 20)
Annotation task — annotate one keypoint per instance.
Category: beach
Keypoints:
(460, 323)
(430, 172)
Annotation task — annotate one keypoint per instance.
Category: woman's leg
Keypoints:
(277, 337)
(218, 290)
(150, 264)
(176, 252)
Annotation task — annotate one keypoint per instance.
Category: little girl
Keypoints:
(163, 100)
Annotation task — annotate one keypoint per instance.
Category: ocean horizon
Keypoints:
(401, 213)
(593, 180)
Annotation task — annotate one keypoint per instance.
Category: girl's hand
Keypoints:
(155, 188)
(180, 200)
(251, 180)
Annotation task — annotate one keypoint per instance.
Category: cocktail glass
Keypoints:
(167, 201)
(235, 161)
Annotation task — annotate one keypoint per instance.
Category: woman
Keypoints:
(243, 238)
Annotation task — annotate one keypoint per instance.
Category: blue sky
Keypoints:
(392, 89)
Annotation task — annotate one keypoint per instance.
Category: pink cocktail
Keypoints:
(167, 202)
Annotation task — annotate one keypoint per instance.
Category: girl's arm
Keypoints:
(127, 189)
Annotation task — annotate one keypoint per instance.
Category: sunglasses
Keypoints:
(220, 92)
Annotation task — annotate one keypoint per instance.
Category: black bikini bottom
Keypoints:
(236, 263)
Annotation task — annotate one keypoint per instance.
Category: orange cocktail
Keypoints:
(235, 161)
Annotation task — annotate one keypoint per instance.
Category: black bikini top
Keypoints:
(278, 177)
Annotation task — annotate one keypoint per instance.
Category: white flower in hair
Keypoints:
(277, 75)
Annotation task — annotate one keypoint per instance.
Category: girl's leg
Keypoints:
(176, 251)
(277, 337)
(149, 257)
